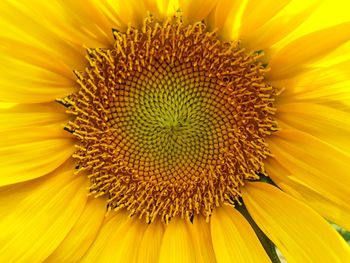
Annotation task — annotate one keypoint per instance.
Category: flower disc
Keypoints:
(170, 121)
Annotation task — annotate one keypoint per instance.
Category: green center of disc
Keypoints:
(172, 119)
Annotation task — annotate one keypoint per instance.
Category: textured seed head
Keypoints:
(170, 121)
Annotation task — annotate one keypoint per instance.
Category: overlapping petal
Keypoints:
(82, 234)
(177, 243)
(234, 239)
(320, 200)
(300, 233)
(35, 217)
(118, 240)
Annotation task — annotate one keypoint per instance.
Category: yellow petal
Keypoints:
(202, 241)
(32, 115)
(306, 49)
(110, 227)
(22, 162)
(233, 238)
(300, 233)
(68, 25)
(313, 162)
(34, 57)
(36, 216)
(177, 245)
(87, 22)
(118, 240)
(327, 13)
(17, 136)
(151, 243)
(36, 63)
(6, 105)
(40, 25)
(226, 18)
(42, 43)
(326, 123)
(196, 10)
(32, 141)
(338, 56)
(257, 13)
(83, 233)
(335, 212)
(162, 8)
(123, 13)
(325, 84)
(24, 82)
(265, 36)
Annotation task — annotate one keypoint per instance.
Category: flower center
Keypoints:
(170, 121)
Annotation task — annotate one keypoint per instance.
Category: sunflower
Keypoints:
(173, 131)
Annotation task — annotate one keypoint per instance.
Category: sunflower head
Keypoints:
(173, 153)
(170, 120)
